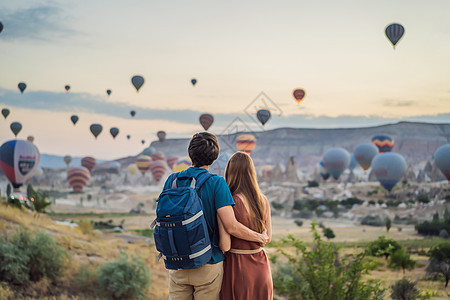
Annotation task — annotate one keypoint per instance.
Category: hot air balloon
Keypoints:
(78, 178)
(149, 151)
(1, 26)
(132, 113)
(158, 168)
(394, 33)
(137, 82)
(194, 81)
(5, 112)
(143, 163)
(38, 173)
(128, 136)
(182, 164)
(67, 159)
(219, 165)
(16, 127)
(336, 160)
(67, 88)
(384, 143)
(89, 163)
(161, 136)
(442, 160)
(143, 142)
(96, 129)
(263, 116)
(108, 92)
(299, 94)
(30, 138)
(158, 156)
(132, 168)
(114, 132)
(246, 143)
(206, 120)
(322, 171)
(171, 160)
(364, 153)
(74, 119)
(114, 167)
(388, 168)
(18, 160)
(22, 86)
(353, 163)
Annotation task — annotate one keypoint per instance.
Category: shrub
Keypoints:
(86, 280)
(400, 259)
(328, 233)
(423, 197)
(86, 227)
(383, 247)
(388, 224)
(372, 221)
(305, 214)
(277, 205)
(404, 290)
(298, 222)
(349, 202)
(13, 264)
(440, 261)
(124, 278)
(313, 183)
(372, 202)
(40, 199)
(443, 234)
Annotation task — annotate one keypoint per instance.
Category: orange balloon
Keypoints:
(246, 143)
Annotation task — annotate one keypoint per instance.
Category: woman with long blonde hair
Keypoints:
(246, 268)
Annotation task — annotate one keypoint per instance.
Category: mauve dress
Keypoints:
(246, 276)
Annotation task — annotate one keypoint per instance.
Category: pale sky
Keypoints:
(335, 50)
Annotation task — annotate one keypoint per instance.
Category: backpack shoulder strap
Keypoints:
(201, 179)
(172, 179)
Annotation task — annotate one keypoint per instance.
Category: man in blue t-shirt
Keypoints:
(205, 282)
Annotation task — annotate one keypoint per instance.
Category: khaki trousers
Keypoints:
(203, 283)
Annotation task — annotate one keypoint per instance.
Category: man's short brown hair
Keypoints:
(203, 149)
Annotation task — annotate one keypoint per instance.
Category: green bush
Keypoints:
(299, 223)
(277, 205)
(124, 278)
(313, 183)
(86, 280)
(388, 223)
(13, 264)
(349, 202)
(86, 227)
(328, 233)
(440, 261)
(404, 290)
(400, 259)
(383, 247)
(443, 234)
(372, 221)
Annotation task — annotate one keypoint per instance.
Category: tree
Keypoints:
(328, 233)
(404, 290)
(440, 261)
(388, 223)
(436, 217)
(383, 247)
(8, 190)
(401, 259)
(446, 215)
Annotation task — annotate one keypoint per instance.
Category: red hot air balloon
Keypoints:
(206, 120)
(89, 163)
(158, 168)
(246, 143)
(171, 160)
(158, 156)
(78, 178)
(299, 94)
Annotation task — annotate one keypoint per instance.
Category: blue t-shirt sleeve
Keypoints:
(222, 193)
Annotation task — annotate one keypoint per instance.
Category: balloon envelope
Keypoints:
(171, 160)
(364, 153)
(96, 129)
(158, 168)
(114, 131)
(67, 159)
(194, 81)
(132, 168)
(263, 116)
(388, 169)
(384, 143)
(206, 120)
(322, 171)
(18, 160)
(246, 143)
(298, 94)
(353, 163)
(158, 156)
(30, 138)
(1, 26)
(394, 32)
(132, 113)
(16, 127)
(74, 119)
(149, 151)
(128, 136)
(89, 163)
(5, 112)
(67, 88)
(78, 178)
(22, 86)
(137, 82)
(336, 160)
(143, 163)
(161, 136)
(108, 92)
(442, 160)
(182, 164)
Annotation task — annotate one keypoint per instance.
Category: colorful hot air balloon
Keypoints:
(67, 88)
(353, 163)
(194, 81)
(388, 168)
(5, 112)
(384, 143)
(108, 92)
(128, 136)
(96, 129)
(18, 160)
(442, 160)
(336, 160)
(158, 168)
(394, 32)
(143, 163)
(30, 138)
(158, 156)
(22, 86)
(74, 119)
(137, 82)
(16, 127)
(161, 136)
(246, 143)
(78, 178)
(89, 163)
(182, 164)
(171, 160)
(364, 153)
(67, 159)
(132, 169)
(219, 165)
(298, 94)
(206, 120)
(263, 116)
(132, 113)
(149, 151)
(114, 132)
(322, 171)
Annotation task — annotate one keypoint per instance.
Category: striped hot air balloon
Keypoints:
(158, 168)
(206, 121)
(394, 32)
(182, 164)
(384, 143)
(171, 160)
(78, 178)
(246, 143)
(158, 156)
(89, 163)
(143, 163)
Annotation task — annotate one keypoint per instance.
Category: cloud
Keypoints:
(399, 103)
(35, 23)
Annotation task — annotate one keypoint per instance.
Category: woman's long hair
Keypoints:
(241, 178)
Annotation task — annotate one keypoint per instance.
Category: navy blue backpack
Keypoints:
(181, 232)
